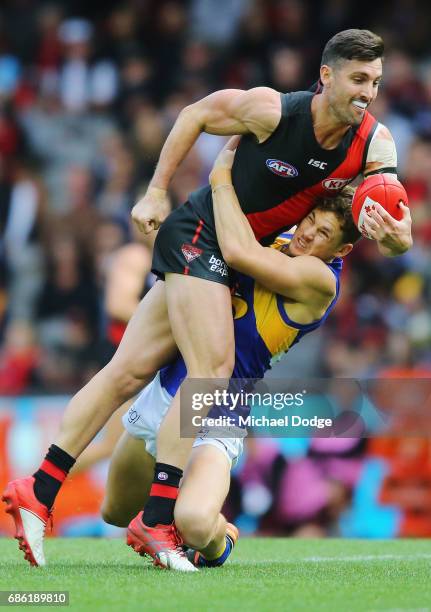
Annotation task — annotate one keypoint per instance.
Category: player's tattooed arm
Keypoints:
(393, 237)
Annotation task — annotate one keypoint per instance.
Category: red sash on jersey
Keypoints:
(294, 209)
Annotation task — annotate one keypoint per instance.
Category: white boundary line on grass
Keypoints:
(387, 557)
(356, 558)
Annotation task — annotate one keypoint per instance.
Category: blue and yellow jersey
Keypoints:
(263, 329)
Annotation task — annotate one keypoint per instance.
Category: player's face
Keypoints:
(319, 234)
(351, 87)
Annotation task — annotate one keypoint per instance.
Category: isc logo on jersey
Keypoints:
(281, 168)
(217, 265)
(335, 184)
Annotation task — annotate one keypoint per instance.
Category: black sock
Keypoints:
(164, 492)
(51, 474)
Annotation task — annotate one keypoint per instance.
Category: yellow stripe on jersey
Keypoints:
(277, 335)
(239, 307)
(274, 331)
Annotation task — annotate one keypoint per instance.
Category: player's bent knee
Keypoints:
(224, 369)
(114, 516)
(212, 369)
(196, 536)
(124, 381)
(196, 528)
(214, 363)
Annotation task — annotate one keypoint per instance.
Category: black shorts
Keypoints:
(186, 244)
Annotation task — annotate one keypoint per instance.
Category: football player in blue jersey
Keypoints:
(286, 298)
(294, 147)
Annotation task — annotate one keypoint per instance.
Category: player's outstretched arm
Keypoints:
(304, 279)
(393, 237)
(225, 112)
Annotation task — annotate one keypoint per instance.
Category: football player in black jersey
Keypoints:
(191, 310)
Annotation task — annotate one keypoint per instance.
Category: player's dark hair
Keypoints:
(341, 206)
(361, 45)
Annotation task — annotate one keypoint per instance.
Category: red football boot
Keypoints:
(162, 542)
(30, 517)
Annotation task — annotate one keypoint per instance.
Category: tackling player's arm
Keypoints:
(305, 279)
(225, 112)
(393, 237)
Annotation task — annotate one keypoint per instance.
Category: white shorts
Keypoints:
(145, 415)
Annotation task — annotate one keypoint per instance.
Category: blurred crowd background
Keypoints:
(88, 94)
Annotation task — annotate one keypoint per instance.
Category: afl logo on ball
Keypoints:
(334, 184)
(162, 476)
(281, 168)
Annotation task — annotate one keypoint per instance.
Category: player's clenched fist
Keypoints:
(151, 210)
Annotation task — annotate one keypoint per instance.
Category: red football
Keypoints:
(382, 188)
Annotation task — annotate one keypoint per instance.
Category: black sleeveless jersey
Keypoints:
(277, 181)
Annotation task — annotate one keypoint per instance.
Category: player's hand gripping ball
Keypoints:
(384, 189)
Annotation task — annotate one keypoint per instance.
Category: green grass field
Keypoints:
(263, 574)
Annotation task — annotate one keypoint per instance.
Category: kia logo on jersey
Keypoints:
(335, 183)
(281, 168)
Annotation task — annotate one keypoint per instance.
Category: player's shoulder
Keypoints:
(382, 132)
(317, 275)
(259, 95)
(296, 102)
(381, 152)
(259, 109)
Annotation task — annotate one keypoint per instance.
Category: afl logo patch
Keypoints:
(334, 184)
(281, 168)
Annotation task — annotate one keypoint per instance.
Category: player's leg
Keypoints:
(146, 346)
(200, 313)
(202, 325)
(129, 481)
(198, 509)
(142, 422)
(203, 491)
(102, 449)
(132, 465)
